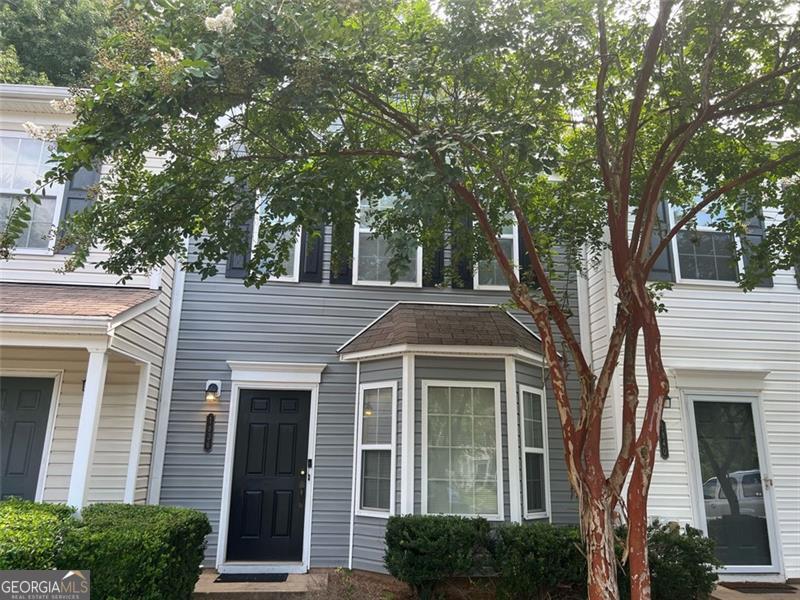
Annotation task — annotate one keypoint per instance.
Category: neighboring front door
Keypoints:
(269, 476)
(736, 507)
(24, 411)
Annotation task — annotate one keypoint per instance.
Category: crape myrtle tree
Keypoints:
(576, 119)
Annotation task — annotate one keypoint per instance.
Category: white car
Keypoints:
(748, 489)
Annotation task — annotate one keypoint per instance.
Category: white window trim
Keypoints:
(294, 276)
(56, 190)
(514, 259)
(677, 260)
(374, 512)
(356, 248)
(544, 451)
(428, 383)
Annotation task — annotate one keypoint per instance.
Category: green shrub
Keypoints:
(423, 550)
(31, 535)
(143, 552)
(539, 560)
(682, 563)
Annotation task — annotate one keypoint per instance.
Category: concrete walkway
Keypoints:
(307, 585)
(723, 593)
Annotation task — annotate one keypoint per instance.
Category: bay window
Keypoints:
(372, 253)
(375, 455)
(461, 463)
(23, 161)
(533, 418)
(488, 273)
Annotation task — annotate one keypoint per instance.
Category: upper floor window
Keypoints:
(23, 161)
(488, 273)
(704, 252)
(461, 461)
(291, 266)
(372, 253)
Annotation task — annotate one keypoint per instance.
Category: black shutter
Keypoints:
(237, 261)
(76, 197)
(463, 257)
(311, 254)
(341, 254)
(663, 269)
(755, 233)
(433, 276)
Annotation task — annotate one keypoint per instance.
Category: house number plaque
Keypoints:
(663, 442)
(208, 440)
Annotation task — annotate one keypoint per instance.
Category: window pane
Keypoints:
(461, 451)
(373, 261)
(489, 271)
(534, 480)
(377, 416)
(22, 162)
(37, 233)
(533, 425)
(706, 255)
(376, 479)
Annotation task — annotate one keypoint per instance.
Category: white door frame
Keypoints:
(268, 376)
(689, 396)
(57, 376)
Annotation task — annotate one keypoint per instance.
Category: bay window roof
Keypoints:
(416, 324)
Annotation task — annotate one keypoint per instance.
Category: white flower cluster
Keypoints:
(223, 22)
(166, 59)
(47, 134)
(65, 105)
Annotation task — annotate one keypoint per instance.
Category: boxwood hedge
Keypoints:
(143, 552)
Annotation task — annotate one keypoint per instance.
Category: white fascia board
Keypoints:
(443, 350)
(42, 93)
(134, 311)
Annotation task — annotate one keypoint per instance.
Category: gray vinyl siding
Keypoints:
(222, 320)
(369, 532)
(458, 369)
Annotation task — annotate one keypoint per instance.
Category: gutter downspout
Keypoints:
(355, 450)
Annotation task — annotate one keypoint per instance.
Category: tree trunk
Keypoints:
(638, 564)
(601, 561)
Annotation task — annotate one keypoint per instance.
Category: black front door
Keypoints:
(269, 476)
(24, 409)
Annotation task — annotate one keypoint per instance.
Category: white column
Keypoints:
(87, 426)
(512, 412)
(407, 435)
(137, 433)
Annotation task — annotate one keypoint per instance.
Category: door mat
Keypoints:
(251, 578)
(757, 587)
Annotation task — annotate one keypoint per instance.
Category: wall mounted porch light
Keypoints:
(213, 388)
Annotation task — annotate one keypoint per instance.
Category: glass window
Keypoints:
(489, 274)
(461, 450)
(373, 253)
(291, 266)
(751, 485)
(377, 408)
(706, 253)
(22, 162)
(710, 489)
(534, 451)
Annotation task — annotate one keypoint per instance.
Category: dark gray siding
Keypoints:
(369, 532)
(281, 322)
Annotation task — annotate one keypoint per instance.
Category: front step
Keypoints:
(296, 587)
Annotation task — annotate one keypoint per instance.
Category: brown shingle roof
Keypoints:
(444, 324)
(70, 300)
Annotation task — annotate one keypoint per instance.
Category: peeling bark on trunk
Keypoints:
(601, 562)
